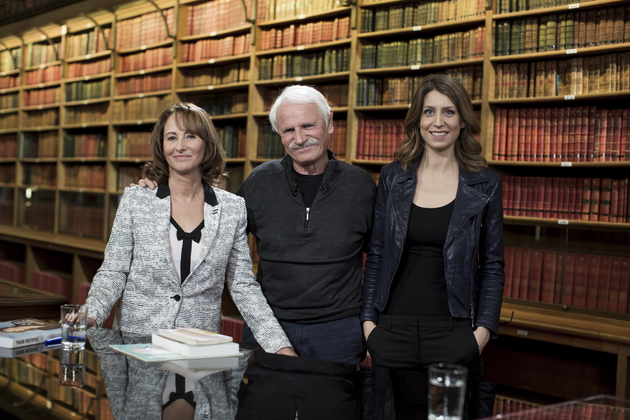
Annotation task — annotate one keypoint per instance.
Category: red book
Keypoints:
(622, 214)
(624, 286)
(592, 281)
(605, 194)
(522, 130)
(569, 276)
(496, 145)
(361, 140)
(624, 135)
(600, 133)
(580, 277)
(595, 197)
(516, 186)
(508, 190)
(548, 181)
(539, 196)
(525, 203)
(577, 212)
(568, 134)
(503, 150)
(508, 255)
(512, 115)
(538, 147)
(535, 275)
(549, 268)
(505, 198)
(563, 198)
(545, 148)
(615, 279)
(532, 138)
(586, 199)
(614, 201)
(560, 279)
(525, 269)
(570, 195)
(555, 197)
(603, 282)
(551, 148)
(616, 136)
(516, 273)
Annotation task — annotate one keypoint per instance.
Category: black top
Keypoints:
(308, 186)
(419, 287)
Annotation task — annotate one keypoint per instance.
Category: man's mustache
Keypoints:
(307, 143)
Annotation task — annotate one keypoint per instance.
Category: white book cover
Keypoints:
(195, 336)
(27, 331)
(214, 350)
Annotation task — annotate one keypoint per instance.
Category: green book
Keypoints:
(542, 33)
(552, 32)
(569, 31)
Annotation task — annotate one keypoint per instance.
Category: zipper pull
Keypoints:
(308, 212)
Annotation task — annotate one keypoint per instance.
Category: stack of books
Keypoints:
(25, 336)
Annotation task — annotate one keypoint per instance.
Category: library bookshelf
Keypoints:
(548, 81)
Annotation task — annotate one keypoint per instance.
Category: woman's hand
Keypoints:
(368, 326)
(287, 351)
(73, 318)
(482, 334)
(145, 183)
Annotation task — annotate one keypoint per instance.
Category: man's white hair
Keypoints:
(300, 95)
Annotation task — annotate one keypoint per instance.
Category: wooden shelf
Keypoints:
(145, 47)
(385, 71)
(300, 48)
(418, 30)
(561, 223)
(216, 34)
(622, 164)
(82, 190)
(564, 98)
(10, 72)
(370, 162)
(331, 77)
(10, 90)
(306, 18)
(559, 9)
(142, 95)
(9, 111)
(213, 61)
(579, 52)
(39, 160)
(9, 130)
(88, 78)
(87, 102)
(89, 56)
(40, 107)
(42, 85)
(42, 128)
(85, 125)
(43, 66)
(136, 122)
(143, 72)
(84, 159)
(131, 159)
(214, 88)
(228, 117)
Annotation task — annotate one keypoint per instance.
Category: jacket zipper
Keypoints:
(308, 212)
(397, 265)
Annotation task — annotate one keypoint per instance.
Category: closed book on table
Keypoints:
(27, 331)
(195, 336)
(215, 350)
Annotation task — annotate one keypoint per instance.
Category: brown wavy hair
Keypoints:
(467, 148)
(193, 120)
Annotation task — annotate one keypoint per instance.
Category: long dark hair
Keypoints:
(195, 121)
(467, 148)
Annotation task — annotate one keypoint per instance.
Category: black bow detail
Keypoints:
(195, 235)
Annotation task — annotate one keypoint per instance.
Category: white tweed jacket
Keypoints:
(138, 271)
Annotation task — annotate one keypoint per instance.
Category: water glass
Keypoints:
(73, 326)
(72, 368)
(447, 389)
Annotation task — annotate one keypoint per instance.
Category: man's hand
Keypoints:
(368, 326)
(482, 334)
(287, 351)
(145, 183)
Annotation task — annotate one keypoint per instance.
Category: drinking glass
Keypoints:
(73, 326)
(447, 388)
(72, 368)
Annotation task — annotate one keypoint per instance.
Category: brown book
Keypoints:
(603, 282)
(559, 277)
(535, 274)
(590, 39)
(595, 199)
(592, 281)
(549, 268)
(624, 286)
(569, 275)
(508, 255)
(525, 269)
(586, 199)
(530, 131)
(516, 276)
(610, 24)
(580, 280)
(605, 195)
(614, 201)
(613, 287)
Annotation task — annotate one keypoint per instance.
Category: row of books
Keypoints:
(54, 282)
(505, 405)
(9, 58)
(563, 31)
(269, 144)
(39, 145)
(335, 94)
(42, 174)
(220, 75)
(378, 139)
(233, 140)
(140, 108)
(88, 43)
(82, 69)
(568, 278)
(80, 91)
(418, 14)
(337, 140)
(206, 49)
(144, 30)
(216, 15)
(133, 144)
(37, 54)
(82, 214)
(83, 115)
(41, 96)
(9, 101)
(222, 103)
(302, 65)
(144, 84)
(287, 9)
(12, 271)
(85, 176)
(8, 146)
(443, 48)
(400, 90)
(127, 175)
(8, 121)
(46, 75)
(144, 60)
(39, 211)
(568, 134)
(306, 34)
(7, 176)
(84, 145)
(594, 199)
(8, 82)
(576, 76)
(509, 6)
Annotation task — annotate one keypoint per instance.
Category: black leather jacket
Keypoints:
(473, 251)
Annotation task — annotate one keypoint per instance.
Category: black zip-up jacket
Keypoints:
(310, 259)
(473, 251)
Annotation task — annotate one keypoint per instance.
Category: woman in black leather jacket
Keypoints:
(433, 281)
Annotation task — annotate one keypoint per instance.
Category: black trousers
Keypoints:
(408, 345)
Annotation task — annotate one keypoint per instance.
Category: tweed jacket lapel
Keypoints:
(211, 217)
(163, 225)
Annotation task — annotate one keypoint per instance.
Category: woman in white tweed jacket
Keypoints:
(163, 277)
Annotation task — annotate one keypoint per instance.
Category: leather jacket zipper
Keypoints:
(308, 212)
(389, 287)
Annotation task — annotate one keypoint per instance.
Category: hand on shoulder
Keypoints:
(145, 183)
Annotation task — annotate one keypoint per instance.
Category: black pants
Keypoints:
(408, 345)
